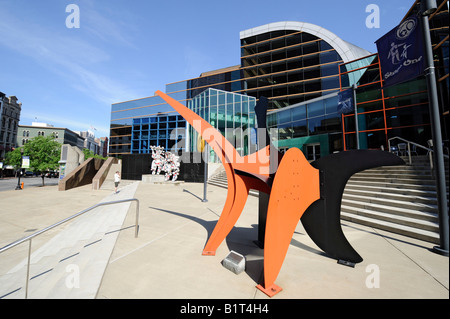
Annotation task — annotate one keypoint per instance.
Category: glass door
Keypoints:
(312, 151)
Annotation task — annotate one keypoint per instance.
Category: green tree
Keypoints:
(44, 153)
(14, 158)
(88, 154)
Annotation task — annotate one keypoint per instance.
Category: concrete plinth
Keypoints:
(153, 179)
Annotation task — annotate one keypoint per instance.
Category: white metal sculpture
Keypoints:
(165, 162)
(157, 156)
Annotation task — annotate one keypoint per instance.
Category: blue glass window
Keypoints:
(226, 111)
(284, 117)
(331, 105)
(299, 113)
(316, 109)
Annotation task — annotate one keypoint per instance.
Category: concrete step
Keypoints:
(421, 159)
(391, 185)
(399, 199)
(221, 181)
(367, 199)
(391, 190)
(429, 236)
(86, 243)
(402, 171)
(395, 175)
(387, 179)
(395, 194)
(375, 209)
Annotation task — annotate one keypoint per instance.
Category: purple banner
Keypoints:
(401, 52)
(346, 102)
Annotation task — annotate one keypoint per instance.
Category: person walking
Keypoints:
(116, 181)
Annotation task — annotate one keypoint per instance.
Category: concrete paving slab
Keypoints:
(31, 209)
(166, 261)
(99, 226)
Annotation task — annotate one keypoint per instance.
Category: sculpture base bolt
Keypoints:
(270, 291)
(208, 253)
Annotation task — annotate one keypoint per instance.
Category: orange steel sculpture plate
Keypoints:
(296, 186)
(295, 189)
(238, 186)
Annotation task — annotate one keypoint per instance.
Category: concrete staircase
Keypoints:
(398, 199)
(72, 263)
(220, 179)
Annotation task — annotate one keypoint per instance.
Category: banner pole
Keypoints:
(437, 142)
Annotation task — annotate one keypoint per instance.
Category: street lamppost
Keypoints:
(428, 7)
(18, 187)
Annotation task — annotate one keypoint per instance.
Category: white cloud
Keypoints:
(65, 122)
(72, 58)
(105, 29)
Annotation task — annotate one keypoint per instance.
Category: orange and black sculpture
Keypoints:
(297, 191)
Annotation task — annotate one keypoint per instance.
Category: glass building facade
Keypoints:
(300, 68)
(289, 67)
(401, 110)
(313, 126)
(129, 119)
(285, 63)
(230, 113)
(168, 131)
(293, 62)
(138, 124)
(384, 112)
(227, 79)
(439, 32)
(296, 66)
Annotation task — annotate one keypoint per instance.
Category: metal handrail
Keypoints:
(30, 237)
(409, 143)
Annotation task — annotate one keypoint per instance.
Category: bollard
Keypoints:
(234, 262)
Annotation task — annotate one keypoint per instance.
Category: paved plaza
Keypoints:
(165, 261)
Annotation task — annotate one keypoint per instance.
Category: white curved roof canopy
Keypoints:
(346, 50)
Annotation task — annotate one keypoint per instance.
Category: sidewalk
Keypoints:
(165, 261)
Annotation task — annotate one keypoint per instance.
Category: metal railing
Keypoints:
(408, 150)
(30, 237)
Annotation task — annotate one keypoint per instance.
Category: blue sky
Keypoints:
(126, 50)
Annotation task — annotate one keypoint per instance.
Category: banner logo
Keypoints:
(401, 52)
(398, 52)
(406, 28)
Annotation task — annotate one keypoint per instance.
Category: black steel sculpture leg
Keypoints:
(322, 220)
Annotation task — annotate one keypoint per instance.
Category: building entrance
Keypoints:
(312, 151)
